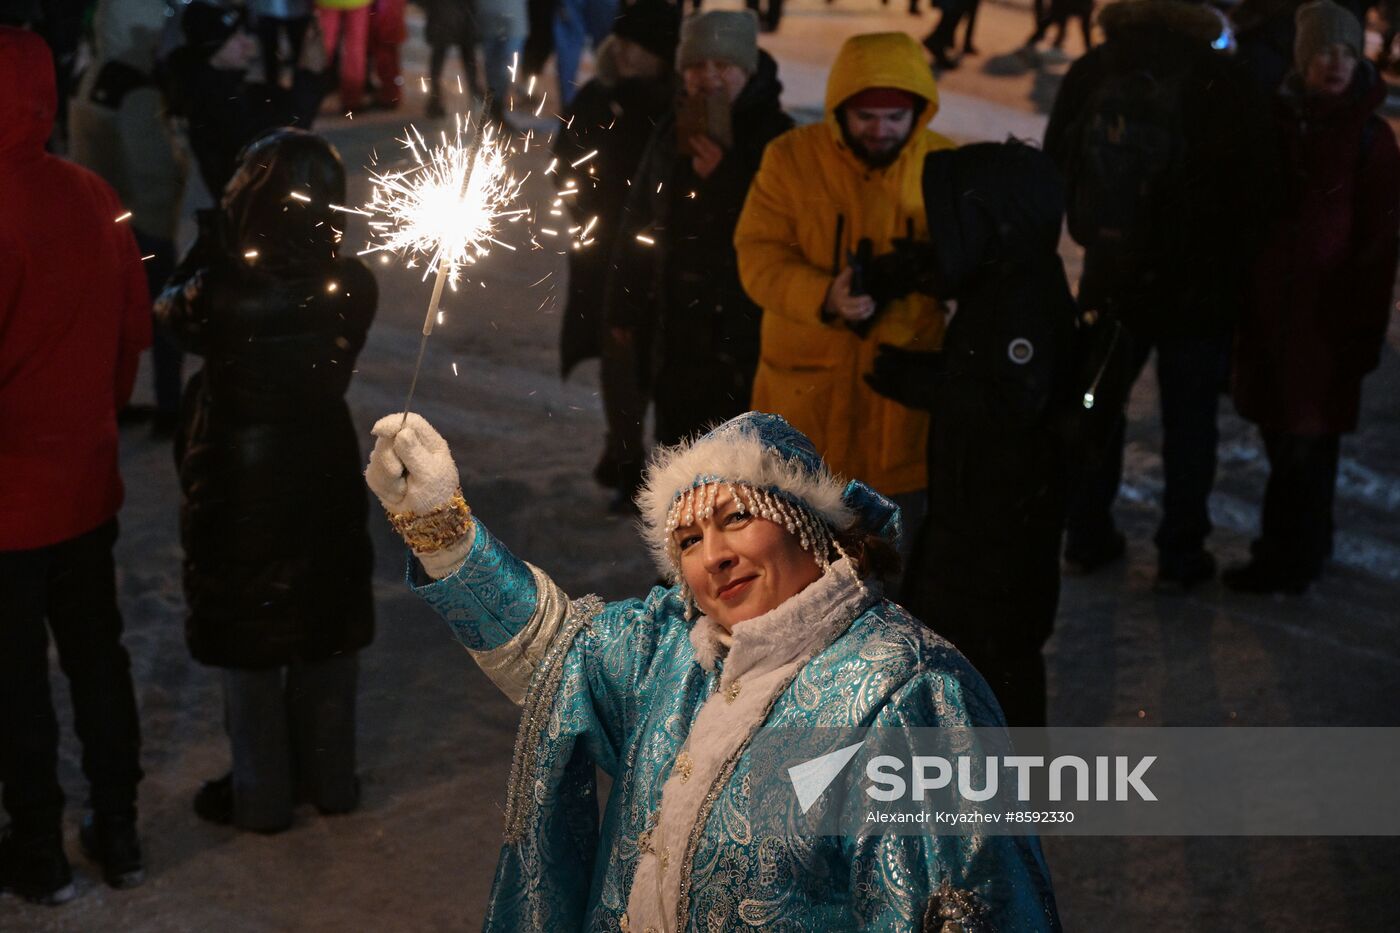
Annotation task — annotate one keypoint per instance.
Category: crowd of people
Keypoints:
(876, 402)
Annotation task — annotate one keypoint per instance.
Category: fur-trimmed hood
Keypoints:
(1196, 21)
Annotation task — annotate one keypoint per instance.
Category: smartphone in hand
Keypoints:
(703, 115)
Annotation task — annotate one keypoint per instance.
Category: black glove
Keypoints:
(905, 269)
(909, 377)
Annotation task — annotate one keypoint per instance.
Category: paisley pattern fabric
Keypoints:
(618, 688)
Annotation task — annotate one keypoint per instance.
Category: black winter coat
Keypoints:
(273, 511)
(985, 568)
(684, 292)
(1210, 224)
(616, 119)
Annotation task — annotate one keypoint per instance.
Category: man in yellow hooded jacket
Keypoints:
(821, 190)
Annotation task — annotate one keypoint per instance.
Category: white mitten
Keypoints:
(412, 473)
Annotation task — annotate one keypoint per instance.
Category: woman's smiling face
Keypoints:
(738, 565)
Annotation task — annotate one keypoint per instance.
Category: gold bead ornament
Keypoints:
(432, 531)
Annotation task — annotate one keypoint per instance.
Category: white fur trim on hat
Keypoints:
(737, 457)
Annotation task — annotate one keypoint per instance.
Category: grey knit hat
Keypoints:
(1320, 24)
(721, 35)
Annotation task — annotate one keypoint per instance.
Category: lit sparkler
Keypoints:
(446, 210)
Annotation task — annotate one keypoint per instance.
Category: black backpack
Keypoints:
(1128, 158)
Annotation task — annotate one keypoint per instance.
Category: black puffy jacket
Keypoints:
(273, 512)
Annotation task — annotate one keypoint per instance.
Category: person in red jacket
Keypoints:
(1322, 293)
(74, 318)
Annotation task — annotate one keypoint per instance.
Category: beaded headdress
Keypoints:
(771, 470)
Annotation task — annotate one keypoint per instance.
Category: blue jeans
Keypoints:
(577, 22)
(1191, 373)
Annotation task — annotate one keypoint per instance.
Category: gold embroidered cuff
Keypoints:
(435, 530)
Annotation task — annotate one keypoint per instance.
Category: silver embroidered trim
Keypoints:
(512, 665)
(539, 698)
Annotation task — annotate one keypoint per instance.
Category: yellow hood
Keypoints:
(881, 59)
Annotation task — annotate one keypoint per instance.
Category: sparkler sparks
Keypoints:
(446, 210)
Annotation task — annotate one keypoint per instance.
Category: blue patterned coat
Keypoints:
(620, 687)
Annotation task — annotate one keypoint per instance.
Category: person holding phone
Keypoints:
(677, 301)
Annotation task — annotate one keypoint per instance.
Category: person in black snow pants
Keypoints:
(272, 517)
(985, 567)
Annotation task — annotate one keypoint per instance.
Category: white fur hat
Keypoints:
(764, 453)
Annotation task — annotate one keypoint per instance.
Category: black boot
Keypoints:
(111, 842)
(213, 803)
(341, 808)
(1083, 557)
(608, 472)
(1261, 576)
(34, 867)
(629, 481)
(942, 60)
(1177, 573)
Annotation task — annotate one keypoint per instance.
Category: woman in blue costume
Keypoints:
(775, 619)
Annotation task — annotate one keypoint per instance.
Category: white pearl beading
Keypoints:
(813, 534)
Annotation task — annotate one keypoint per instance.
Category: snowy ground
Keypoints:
(435, 736)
